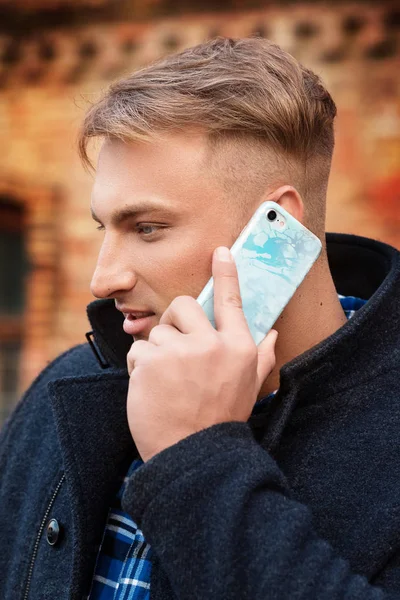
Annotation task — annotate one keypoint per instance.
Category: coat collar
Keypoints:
(365, 346)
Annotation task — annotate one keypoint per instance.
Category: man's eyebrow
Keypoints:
(129, 212)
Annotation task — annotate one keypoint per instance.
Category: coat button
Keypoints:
(52, 531)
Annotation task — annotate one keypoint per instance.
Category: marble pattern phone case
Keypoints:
(272, 259)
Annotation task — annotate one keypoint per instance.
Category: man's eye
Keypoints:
(147, 230)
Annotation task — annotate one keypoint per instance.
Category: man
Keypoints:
(192, 464)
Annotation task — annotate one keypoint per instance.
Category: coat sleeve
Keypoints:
(217, 512)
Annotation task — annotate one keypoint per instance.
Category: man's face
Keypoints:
(163, 216)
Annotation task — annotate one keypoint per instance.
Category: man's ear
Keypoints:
(289, 198)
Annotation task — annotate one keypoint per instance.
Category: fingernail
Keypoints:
(224, 254)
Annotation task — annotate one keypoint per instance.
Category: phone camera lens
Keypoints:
(271, 216)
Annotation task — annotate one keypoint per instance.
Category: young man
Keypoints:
(192, 464)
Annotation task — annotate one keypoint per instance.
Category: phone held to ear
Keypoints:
(273, 254)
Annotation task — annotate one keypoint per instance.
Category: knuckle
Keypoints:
(179, 301)
(137, 346)
(157, 330)
(176, 302)
(152, 337)
(135, 350)
(215, 345)
(233, 299)
(154, 333)
(131, 355)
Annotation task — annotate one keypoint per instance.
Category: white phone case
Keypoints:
(272, 259)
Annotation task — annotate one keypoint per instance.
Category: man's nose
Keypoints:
(111, 276)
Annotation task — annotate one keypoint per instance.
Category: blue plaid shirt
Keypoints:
(123, 564)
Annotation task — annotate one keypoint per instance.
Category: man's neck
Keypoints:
(313, 314)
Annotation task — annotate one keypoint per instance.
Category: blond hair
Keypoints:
(246, 89)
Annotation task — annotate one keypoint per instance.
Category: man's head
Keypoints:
(207, 134)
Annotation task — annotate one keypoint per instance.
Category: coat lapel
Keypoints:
(96, 447)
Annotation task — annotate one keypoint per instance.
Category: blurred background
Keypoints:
(56, 56)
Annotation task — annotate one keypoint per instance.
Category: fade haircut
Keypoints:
(268, 119)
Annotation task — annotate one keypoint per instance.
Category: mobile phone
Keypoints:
(273, 254)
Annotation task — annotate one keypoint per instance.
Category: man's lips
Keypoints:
(134, 313)
(136, 322)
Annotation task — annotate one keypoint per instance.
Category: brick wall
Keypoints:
(47, 80)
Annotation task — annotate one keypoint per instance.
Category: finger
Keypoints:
(164, 334)
(140, 352)
(228, 309)
(266, 356)
(186, 315)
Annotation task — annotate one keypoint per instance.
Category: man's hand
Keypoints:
(189, 376)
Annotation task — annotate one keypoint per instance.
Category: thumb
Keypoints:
(266, 357)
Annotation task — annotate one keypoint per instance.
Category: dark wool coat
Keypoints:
(302, 502)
